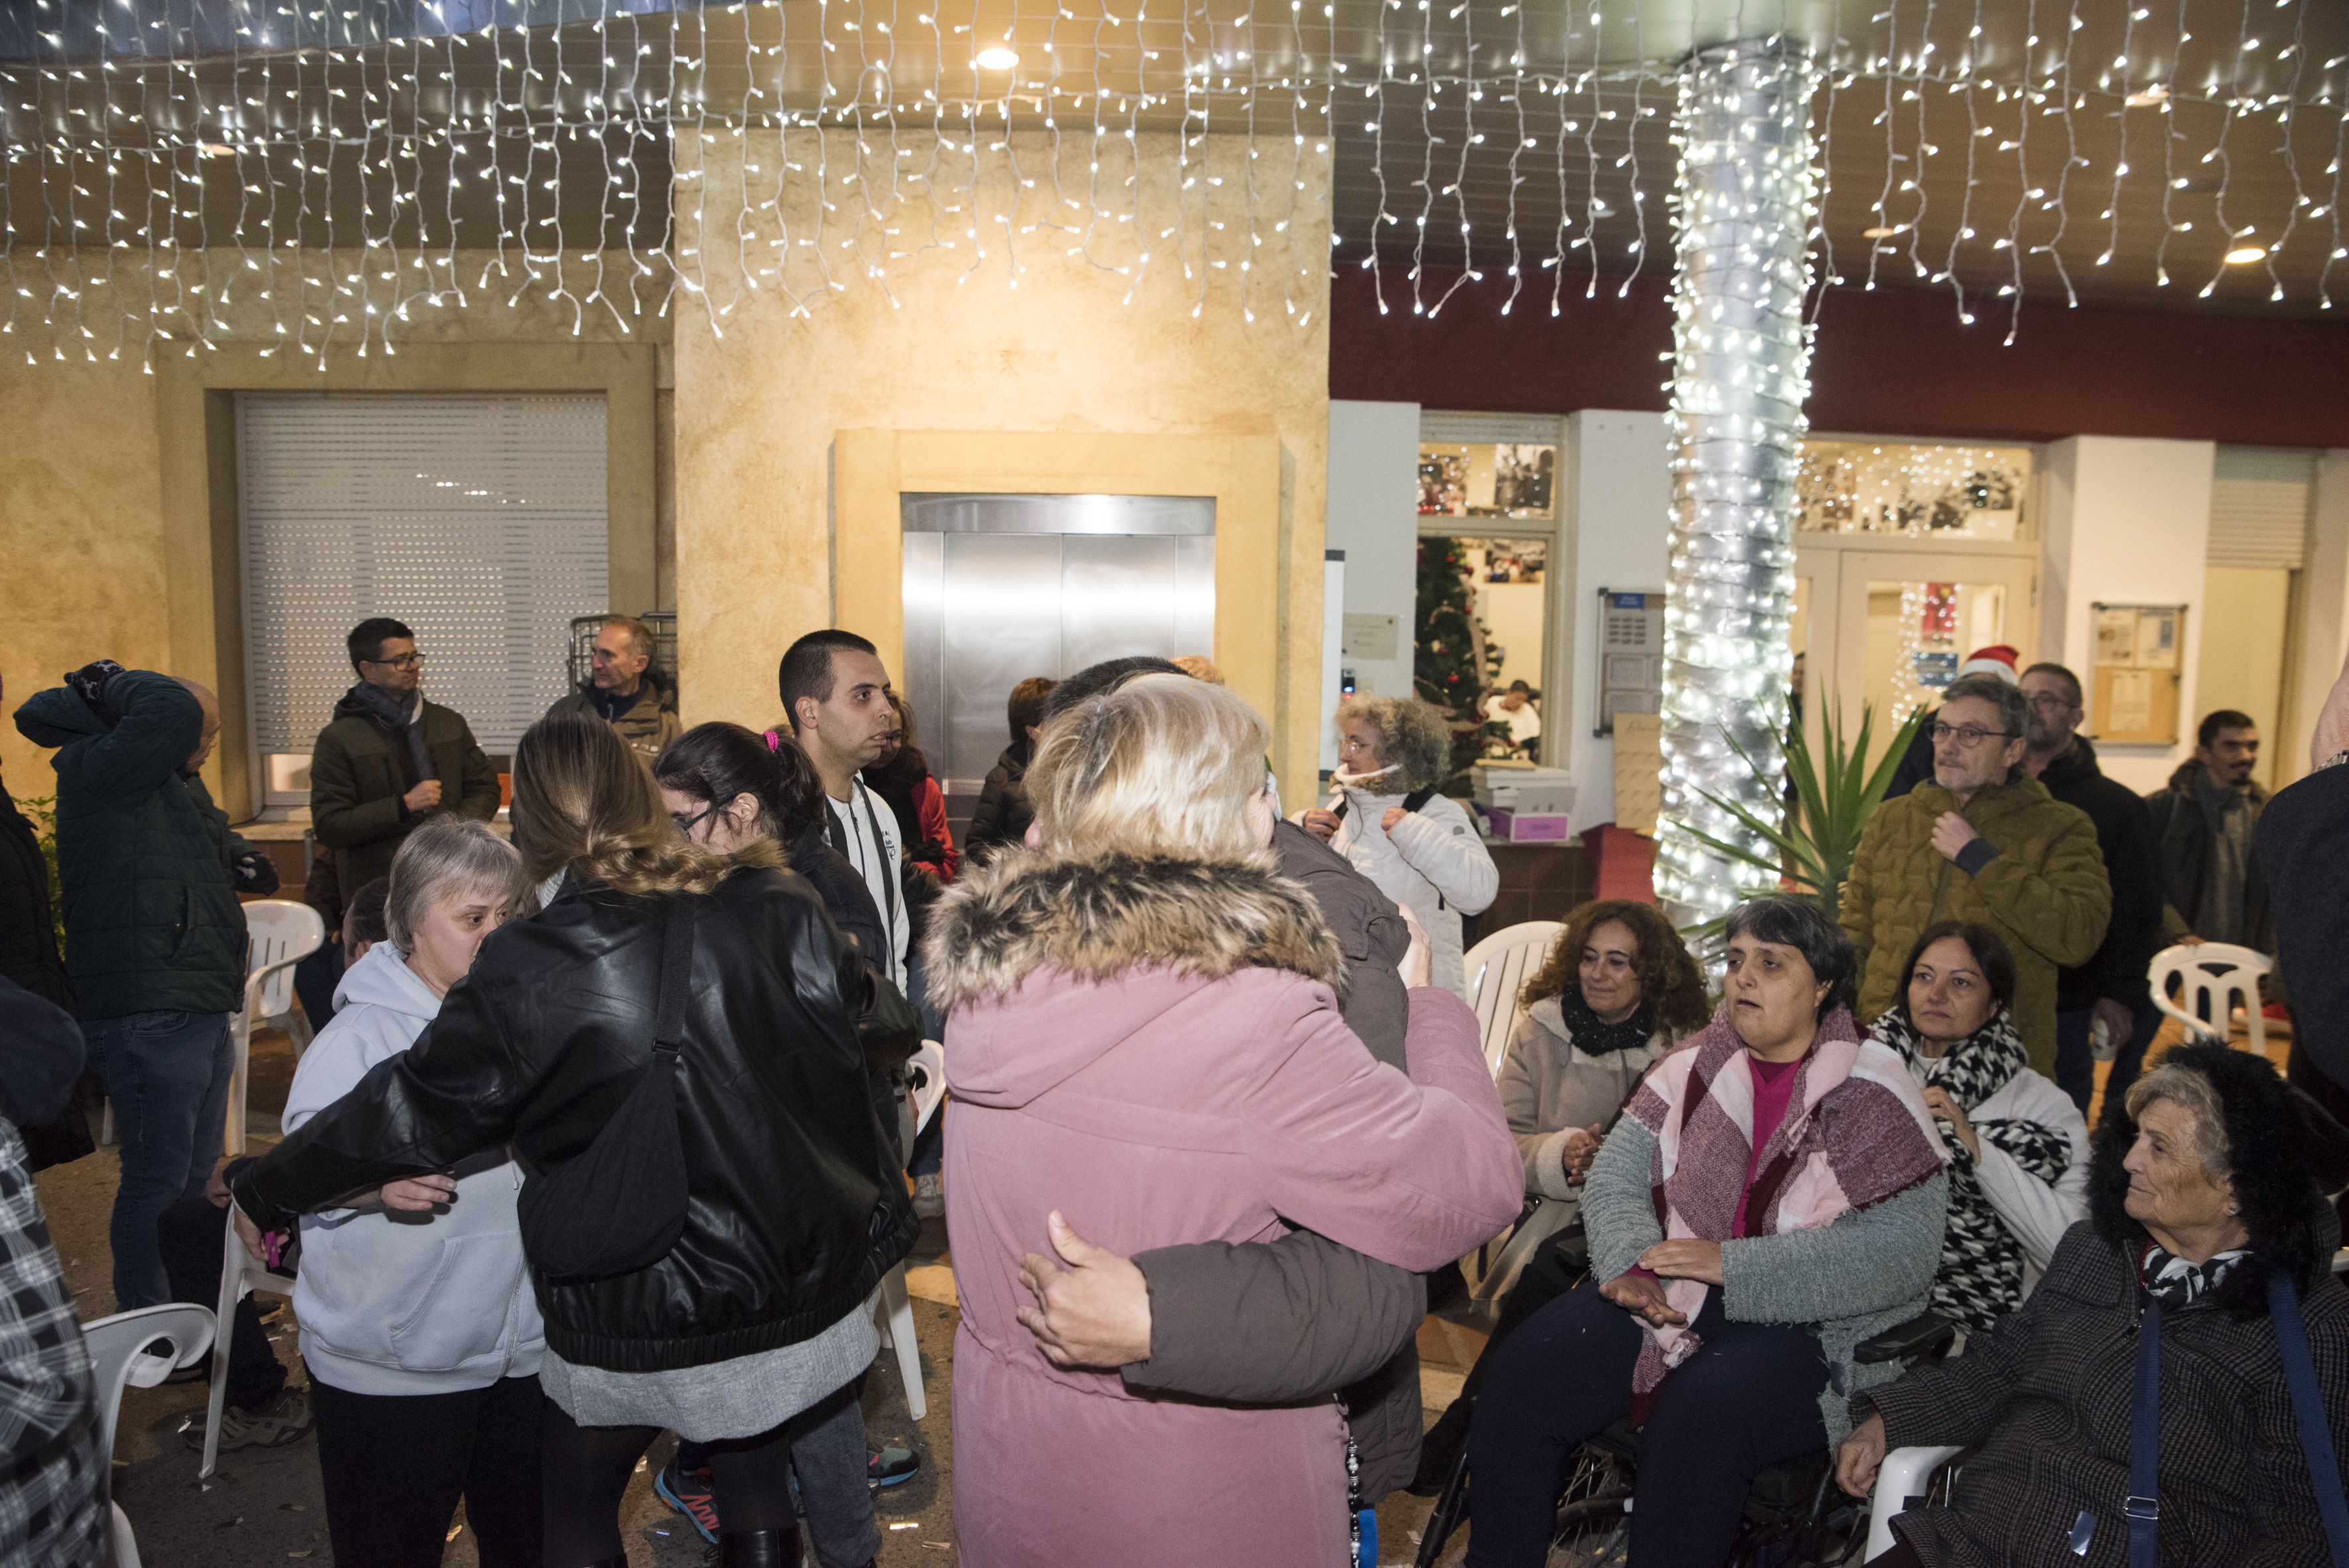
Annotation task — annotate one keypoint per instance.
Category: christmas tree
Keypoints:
(1453, 667)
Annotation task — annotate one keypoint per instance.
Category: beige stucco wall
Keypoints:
(759, 409)
(108, 510)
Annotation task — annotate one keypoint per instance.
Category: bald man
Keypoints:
(154, 935)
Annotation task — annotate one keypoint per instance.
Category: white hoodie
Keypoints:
(1434, 861)
(396, 1303)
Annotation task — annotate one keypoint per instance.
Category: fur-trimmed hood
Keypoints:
(1094, 920)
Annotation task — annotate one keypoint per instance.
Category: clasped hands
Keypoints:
(414, 1194)
(1684, 1258)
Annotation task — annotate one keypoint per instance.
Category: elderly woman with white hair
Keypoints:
(1388, 815)
(418, 1328)
(1143, 1027)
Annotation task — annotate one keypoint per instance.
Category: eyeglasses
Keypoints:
(407, 661)
(686, 824)
(2050, 702)
(1967, 735)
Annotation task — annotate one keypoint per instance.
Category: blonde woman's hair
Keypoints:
(582, 800)
(1164, 765)
(446, 856)
(1414, 743)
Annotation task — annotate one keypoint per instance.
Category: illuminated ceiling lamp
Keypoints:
(2245, 254)
(998, 57)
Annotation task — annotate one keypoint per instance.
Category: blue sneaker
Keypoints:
(894, 1465)
(690, 1493)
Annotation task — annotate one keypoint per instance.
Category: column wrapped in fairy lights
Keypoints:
(1745, 200)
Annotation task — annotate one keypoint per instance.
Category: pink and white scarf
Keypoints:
(1855, 1132)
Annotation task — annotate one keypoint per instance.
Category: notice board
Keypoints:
(2136, 657)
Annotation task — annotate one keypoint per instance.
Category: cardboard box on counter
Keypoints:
(1527, 827)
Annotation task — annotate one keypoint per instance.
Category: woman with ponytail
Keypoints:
(720, 1296)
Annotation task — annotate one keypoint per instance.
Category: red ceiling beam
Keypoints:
(1893, 362)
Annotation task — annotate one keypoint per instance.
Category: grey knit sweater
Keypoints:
(1868, 1271)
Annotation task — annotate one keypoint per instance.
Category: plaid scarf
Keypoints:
(1981, 1277)
(1855, 1132)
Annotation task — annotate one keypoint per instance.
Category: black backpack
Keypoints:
(620, 1204)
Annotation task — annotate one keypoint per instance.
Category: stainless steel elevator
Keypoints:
(1001, 587)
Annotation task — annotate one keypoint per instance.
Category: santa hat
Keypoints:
(1998, 659)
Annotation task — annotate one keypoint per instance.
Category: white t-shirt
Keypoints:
(1523, 723)
(866, 832)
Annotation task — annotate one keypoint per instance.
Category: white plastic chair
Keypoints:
(1497, 969)
(281, 933)
(893, 1309)
(1903, 1477)
(119, 1356)
(2213, 975)
(239, 1276)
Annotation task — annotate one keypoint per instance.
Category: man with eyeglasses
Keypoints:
(389, 759)
(2110, 989)
(1983, 841)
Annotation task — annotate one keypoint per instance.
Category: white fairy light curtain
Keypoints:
(326, 174)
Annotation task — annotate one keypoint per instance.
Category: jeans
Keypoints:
(189, 1234)
(314, 979)
(1747, 1399)
(166, 1075)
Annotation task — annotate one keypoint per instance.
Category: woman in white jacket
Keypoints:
(1385, 815)
(419, 1325)
(2018, 1147)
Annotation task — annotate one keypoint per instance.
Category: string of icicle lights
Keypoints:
(327, 175)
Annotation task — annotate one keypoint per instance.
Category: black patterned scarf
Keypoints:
(1981, 1277)
(2177, 1283)
(1595, 1038)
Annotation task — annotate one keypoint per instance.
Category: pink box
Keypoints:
(1528, 827)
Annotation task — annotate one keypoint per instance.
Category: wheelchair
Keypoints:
(1796, 1514)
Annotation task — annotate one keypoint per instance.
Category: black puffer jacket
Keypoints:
(28, 932)
(797, 1208)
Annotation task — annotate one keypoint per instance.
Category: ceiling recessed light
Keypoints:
(216, 149)
(2243, 255)
(2147, 97)
(998, 59)
(1878, 233)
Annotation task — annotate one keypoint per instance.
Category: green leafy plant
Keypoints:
(1835, 791)
(41, 810)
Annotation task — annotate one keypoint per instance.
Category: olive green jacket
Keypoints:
(2034, 876)
(358, 771)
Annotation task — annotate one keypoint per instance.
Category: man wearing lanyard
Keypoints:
(837, 694)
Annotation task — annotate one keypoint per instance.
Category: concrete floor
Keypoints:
(263, 1506)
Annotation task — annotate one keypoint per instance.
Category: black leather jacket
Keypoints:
(797, 1207)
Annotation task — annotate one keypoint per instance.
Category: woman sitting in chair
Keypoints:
(1617, 990)
(1799, 1180)
(2018, 1147)
(2206, 1212)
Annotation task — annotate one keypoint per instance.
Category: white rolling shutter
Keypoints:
(1448, 425)
(477, 520)
(2260, 500)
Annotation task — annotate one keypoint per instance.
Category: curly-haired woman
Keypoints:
(1617, 990)
(1385, 815)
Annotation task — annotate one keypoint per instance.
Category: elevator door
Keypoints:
(1002, 587)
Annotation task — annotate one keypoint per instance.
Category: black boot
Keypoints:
(759, 1548)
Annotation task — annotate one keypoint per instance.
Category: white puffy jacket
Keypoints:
(398, 1302)
(2036, 1212)
(1434, 861)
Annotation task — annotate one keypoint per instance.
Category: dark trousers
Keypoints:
(1549, 1274)
(587, 1470)
(2130, 1059)
(314, 979)
(190, 1233)
(167, 1076)
(394, 1466)
(1747, 1399)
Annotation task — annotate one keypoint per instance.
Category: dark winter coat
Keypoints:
(1279, 1321)
(2182, 830)
(2132, 864)
(798, 1203)
(359, 768)
(2303, 838)
(1003, 813)
(152, 921)
(2045, 1397)
(650, 722)
(28, 932)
